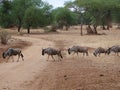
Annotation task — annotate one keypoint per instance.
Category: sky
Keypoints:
(56, 3)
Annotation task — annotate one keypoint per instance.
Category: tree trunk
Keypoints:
(81, 29)
(20, 24)
(95, 29)
(103, 25)
(109, 20)
(89, 30)
(108, 27)
(19, 27)
(28, 29)
(67, 27)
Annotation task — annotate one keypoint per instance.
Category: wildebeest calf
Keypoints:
(99, 50)
(13, 52)
(115, 49)
(78, 49)
(51, 51)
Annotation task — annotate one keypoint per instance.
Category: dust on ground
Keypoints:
(72, 73)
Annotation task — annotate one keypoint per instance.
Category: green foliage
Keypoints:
(32, 17)
(64, 16)
(4, 36)
(37, 17)
(47, 14)
(5, 13)
(36, 13)
(20, 7)
(96, 11)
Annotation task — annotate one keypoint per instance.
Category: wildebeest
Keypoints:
(115, 49)
(99, 50)
(13, 52)
(78, 49)
(51, 51)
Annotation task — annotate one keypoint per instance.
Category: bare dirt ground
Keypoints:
(78, 73)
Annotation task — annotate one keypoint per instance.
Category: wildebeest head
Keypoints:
(95, 54)
(3, 55)
(108, 51)
(68, 50)
(43, 51)
(60, 54)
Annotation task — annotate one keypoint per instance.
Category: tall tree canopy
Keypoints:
(24, 13)
(36, 13)
(64, 17)
(97, 12)
(20, 7)
(35, 17)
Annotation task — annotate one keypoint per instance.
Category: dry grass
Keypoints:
(78, 73)
(4, 36)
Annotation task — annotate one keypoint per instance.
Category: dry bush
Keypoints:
(4, 36)
(52, 28)
(20, 33)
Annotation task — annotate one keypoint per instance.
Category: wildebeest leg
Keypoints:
(12, 59)
(52, 57)
(22, 56)
(83, 54)
(18, 58)
(86, 53)
(7, 59)
(99, 54)
(77, 53)
(73, 55)
(117, 54)
(59, 57)
(105, 53)
(48, 57)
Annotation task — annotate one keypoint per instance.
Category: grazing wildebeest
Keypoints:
(51, 51)
(13, 52)
(99, 50)
(115, 49)
(78, 49)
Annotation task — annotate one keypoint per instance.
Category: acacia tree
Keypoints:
(31, 18)
(64, 17)
(37, 17)
(20, 7)
(79, 11)
(97, 11)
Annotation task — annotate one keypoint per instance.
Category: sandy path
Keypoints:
(13, 76)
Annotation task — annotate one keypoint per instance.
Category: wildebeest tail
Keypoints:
(68, 50)
(61, 56)
(3, 54)
(43, 51)
(21, 55)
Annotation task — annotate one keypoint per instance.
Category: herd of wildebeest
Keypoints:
(52, 51)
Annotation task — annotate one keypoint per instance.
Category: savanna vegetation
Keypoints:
(37, 13)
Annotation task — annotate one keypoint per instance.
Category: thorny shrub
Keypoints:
(4, 36)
